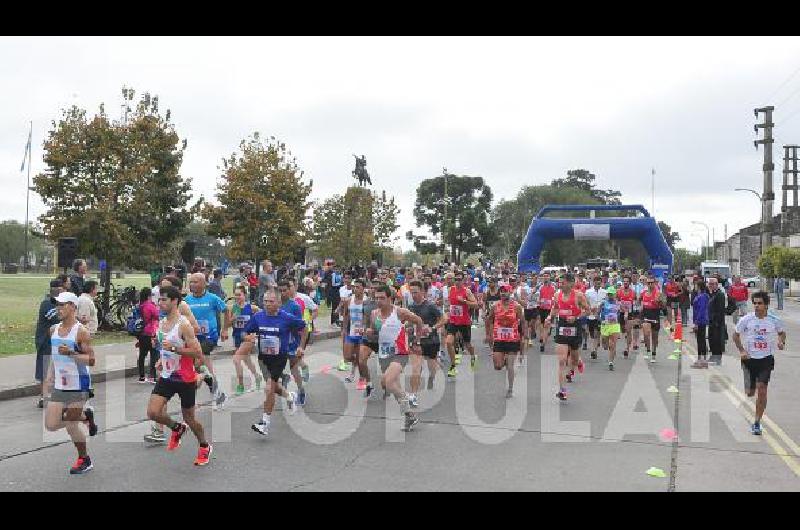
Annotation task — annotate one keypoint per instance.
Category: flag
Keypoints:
(27, 150)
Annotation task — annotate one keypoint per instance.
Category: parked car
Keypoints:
(753, 281)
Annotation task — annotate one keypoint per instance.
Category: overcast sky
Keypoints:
(515, 111)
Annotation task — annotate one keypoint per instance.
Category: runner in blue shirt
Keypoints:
(205, 306)
(272, 330)
(291, 307)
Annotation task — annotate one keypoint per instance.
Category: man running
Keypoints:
(353, 327)
(68, 376)
(546, 293)
(627, 299)
(179, 347)
(651, 314)
(459, 322)
(369, 344)
(568, 332)
(293, 348)
(610, 312)
(242, 311)
(205, 307)
(762, 332)
(508, 335)
(273, 331)
(428, 348)
(595, 297)
(310, 310)
(636, 313)
(387, 324)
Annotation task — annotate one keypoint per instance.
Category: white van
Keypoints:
(554, 270)
(710, 268)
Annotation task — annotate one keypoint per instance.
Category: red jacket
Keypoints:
(739, 292)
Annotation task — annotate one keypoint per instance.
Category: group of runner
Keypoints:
(417, 320)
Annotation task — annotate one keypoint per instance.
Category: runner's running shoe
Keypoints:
(82, 465)
(203, 455)
(175, 437)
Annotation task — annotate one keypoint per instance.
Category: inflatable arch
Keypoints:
(644, 228)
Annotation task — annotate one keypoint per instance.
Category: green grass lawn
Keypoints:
(21, 294)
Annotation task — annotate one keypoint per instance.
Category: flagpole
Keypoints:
(26, 264)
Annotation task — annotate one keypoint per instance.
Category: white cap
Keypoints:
(67, 298)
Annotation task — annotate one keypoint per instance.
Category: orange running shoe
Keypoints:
(203, 455)
(175, 437)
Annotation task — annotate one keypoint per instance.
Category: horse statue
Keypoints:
(360, 172)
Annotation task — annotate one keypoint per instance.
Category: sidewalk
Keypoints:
(114, 361)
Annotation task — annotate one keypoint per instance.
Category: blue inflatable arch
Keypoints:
(644, 228)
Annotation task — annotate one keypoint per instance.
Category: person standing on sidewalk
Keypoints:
(77, 280)
(762, 332)
(48, 317)
(700, 322)
(266, 280)
(146, 342)
(779, 285)
(716, 320)
(87, 311)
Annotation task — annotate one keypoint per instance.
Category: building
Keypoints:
(741, 251)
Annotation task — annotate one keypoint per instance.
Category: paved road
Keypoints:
(471, 437)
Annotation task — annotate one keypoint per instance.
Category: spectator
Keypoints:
(79, 277)
(87, 311)
(716, 320)
(215, 285)
(266, 281)
(684, 301)
(252, 284)
(700, 321)
(779, 285)
(48, 317)
(146, 340)
(740, 293)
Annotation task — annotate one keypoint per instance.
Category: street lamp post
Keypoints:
(754, 192)
(708, 233)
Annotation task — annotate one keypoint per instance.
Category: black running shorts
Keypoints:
(652, 317)
(757, 371)
(531, 314)
(501, 346)
(466, 332)
(272, 366)
(167, 388)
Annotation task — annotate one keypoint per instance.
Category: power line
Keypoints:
(785, 82)
(787, 118)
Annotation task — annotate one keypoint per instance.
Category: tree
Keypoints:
(789, 264)
(12, 242)
(584, 180)
(263, 202)
(115, 186)
(355, 226)
(468, 201)
(669, 236)
(769, 263)
(686, 260)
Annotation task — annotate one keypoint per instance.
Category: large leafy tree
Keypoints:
(115, 185)
(12, 243)
(466, 228)
(262, 202)
(583, 179)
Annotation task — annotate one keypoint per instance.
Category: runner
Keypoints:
(69, 380)
(568, 333)
(636, 314)
(179, 347)
(272, 330)
(369, 345)
(293, 348)
(627, 299)
(241, 311)
(508, 335)
(651, 313)
(610, 313)
(546, 293)
(525, 296)
(310, 310)
(205, 306)
(353, 329)
(387, 325)
(672, 288)
(595, 297)
(459, 322)
(345, 292)
(762, 332)
(739, 293)
(428, 348)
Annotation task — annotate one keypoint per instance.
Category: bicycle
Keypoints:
(121, 305)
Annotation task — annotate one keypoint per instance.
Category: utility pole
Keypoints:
(444, 221)
(767, 197)
(29, 151)
(789, 168)
(653, 192)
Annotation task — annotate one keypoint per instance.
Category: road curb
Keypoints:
(33, 389)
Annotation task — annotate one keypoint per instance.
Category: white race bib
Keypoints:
(270, 344)
(386, 350)
(532, 304)
(565, 331)
(457, 310)
(505, 334)
(170, 362)
(66, 372)
(203, 327)
(241, 321)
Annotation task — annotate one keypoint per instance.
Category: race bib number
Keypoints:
(611, 318)
(456, 310)
(66, 372)
(566, 331)
(356, 327)
(637, 307)
(625, 306)
(270, 344)
(504, 334)
(760, 344)
(203, 327)
(241, 321)
(546, 304)
(531, 304)
(170, 362)
(386, 350)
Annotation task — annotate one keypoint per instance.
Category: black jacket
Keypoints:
(48, 317)
(716, 309)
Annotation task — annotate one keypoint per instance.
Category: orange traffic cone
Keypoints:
(678, 335)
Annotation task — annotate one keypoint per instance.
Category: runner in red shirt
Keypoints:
(546, 293)
(651, 316)
(568, 307)
(673, 289)
(740, 293)
(459, 321)
(627, 298)
(507, 335)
